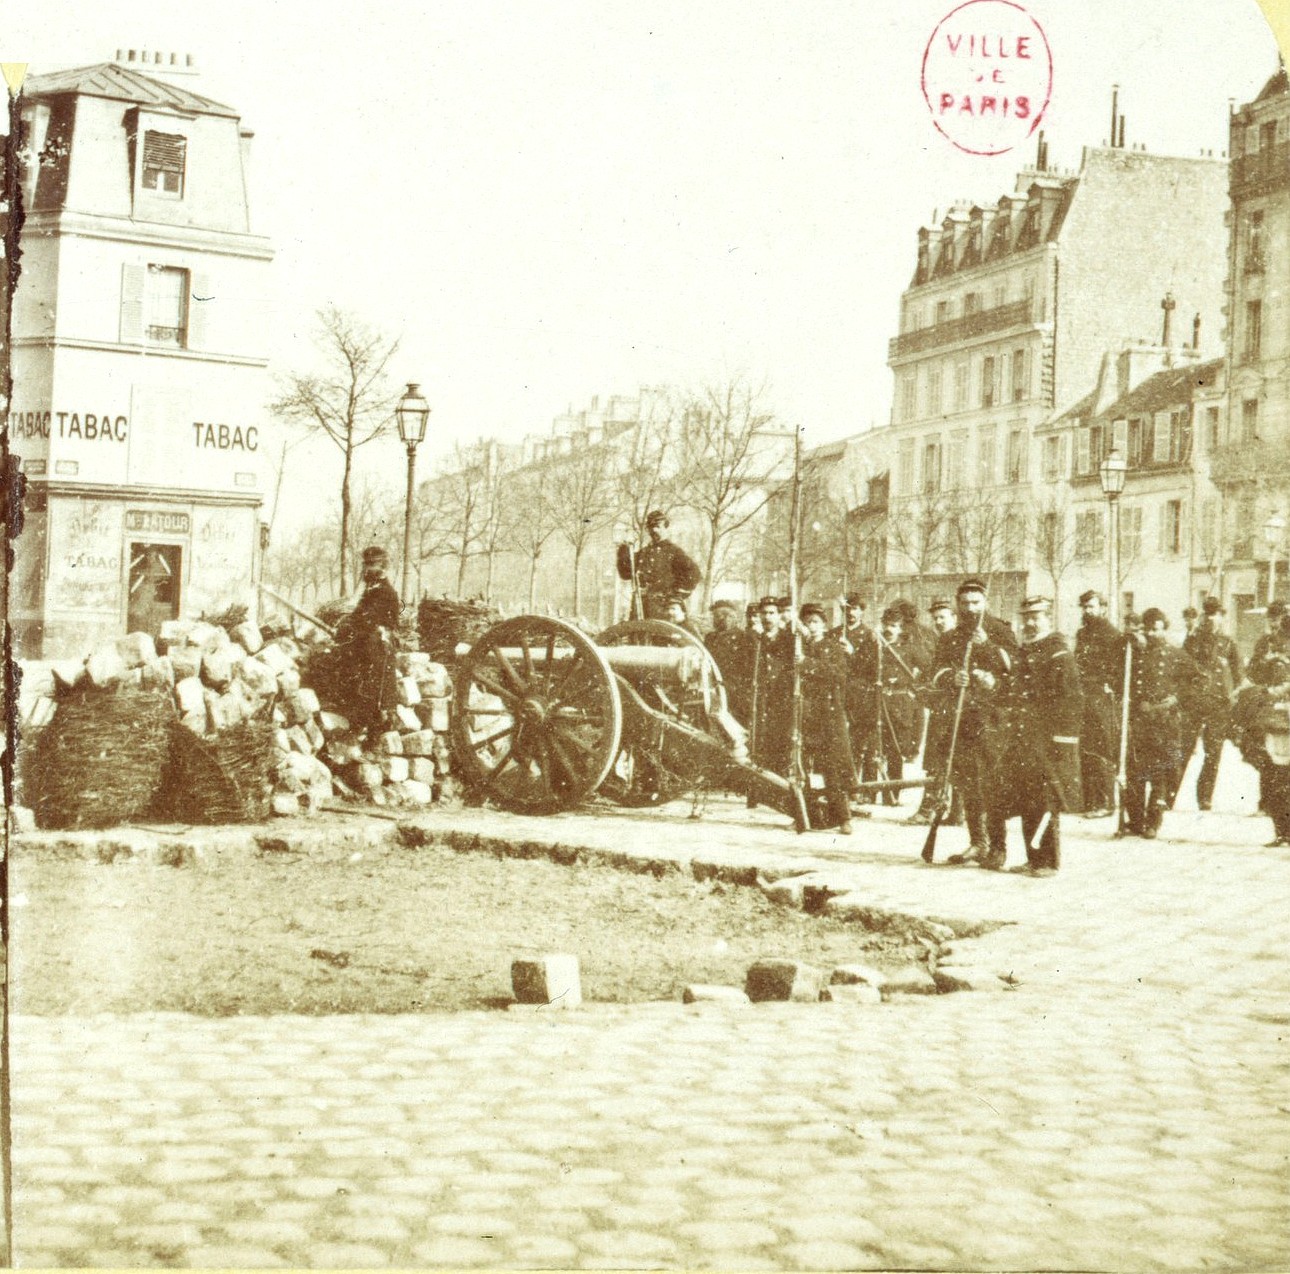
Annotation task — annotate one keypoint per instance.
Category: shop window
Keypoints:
(164, 159)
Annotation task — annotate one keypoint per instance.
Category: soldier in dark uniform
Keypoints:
(901, 719)
(1261, 724)
(1160, 676)
(1099, 656)
(734, 650)
(940, 725)
(1209, 721)
(676, 613)
(860, 645)
(826, 749)
(919, 639)
(1045, 712)
(979, 751)
(662, 569)
(772, 729)
(365, 641)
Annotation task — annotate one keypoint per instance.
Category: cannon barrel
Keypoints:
(674, 665)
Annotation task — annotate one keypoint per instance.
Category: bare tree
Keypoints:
(533, 522)
(647, 477)
(580, 491)
(458, 496)
(730, 462)
(1054, 543)
(350, 401)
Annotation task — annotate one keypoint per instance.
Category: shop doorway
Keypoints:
(154, 586)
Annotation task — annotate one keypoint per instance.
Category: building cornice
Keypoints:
(954, 280)
(152, 495)
(140, 351)
(151, 234)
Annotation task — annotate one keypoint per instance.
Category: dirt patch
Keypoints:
(388, 931)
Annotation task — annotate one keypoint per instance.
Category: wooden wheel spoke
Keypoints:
(518, 685)
(528, 658)
(490, 712)
(492, 738)
(550, 660)
(568, 736)
(557, 754)
(558, 689)
(509, 759)
(485, 682)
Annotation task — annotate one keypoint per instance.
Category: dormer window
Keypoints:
(164, 157)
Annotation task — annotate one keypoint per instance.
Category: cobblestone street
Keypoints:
(1125, 1106)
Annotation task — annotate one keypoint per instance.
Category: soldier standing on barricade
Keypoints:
(940, 723)
(978, 752)
(900, 718)
(826, 747)
(1099, 656)
(734, 651)
(860, 645)
(1261, 726)
(1043, 769)
(659, 570)
(1210, 719)
(365, 641)
(1161, 677)
(772, 728)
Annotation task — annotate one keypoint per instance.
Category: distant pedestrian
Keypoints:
(1099, 657)
(659, 569)
(1044, 708)
(1209, 719)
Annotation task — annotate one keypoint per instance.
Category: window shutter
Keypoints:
(1061, 456)
(1120, 436)
(1160, 447)
(198, 304)
(1082, 452)
(132, 285)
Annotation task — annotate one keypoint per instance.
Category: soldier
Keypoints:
(734, 650)
(675, 613)
(752, 619)
(1190, 618)
(1160, 676)
(1262, 724)
(1209, 720)
(940, 724)
(919, 639)
(661, 570)
(978, 752)
(1099, 657)
(860, 645)
(773, 676)
(900, 723)
(1044, 699)
(826, 748)
(365, 641)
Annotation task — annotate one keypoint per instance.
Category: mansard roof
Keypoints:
(123, 84)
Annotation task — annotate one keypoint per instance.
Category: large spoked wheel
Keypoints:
(538, 719)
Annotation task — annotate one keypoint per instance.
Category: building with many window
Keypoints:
(1004, 326)
(138, 368)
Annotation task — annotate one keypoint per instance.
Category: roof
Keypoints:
(123, 84)
(1165, 389)
(1277, 86)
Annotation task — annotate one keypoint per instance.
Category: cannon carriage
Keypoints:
(546, 716)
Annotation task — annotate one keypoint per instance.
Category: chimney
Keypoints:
(1115, 112)
(1168, 305)
(1195, 333)
(1120, 143)
(163, 66)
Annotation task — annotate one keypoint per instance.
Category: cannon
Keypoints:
(545, 717)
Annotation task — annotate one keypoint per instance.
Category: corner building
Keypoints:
(139, 385)
(1006, 322)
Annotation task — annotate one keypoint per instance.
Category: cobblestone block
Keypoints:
(436, 714)
(408, 719)
(962, 977)
(783, 980)
(394, 768)
(703, 993)
(248, 636)
(851, 993)
(105, 667)
(419, 743)
(217, 669)
(269, 1233)
(451, 1250)
(136, 649)
(551, 980)
(421, 769)
(231, 1257)
(857, 974)
(913, 979)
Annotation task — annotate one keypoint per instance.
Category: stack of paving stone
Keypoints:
(220, 679)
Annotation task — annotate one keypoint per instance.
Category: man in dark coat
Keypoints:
(365, 641)
(977, 656)
(1209, 718)
(940, 726)
(661, 569)
(1160, 677)
(900, 678)
(1261, 723)
(772, 727)
(860, 645)
(1099, 656)
(1043, 771)
(826, 749)
(734, 650)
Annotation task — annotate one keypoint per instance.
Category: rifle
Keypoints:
(638, 609)
(1121, 773)
(295, 610)
(752, 710)
(880, 753)
(797, 778)
(943, 796)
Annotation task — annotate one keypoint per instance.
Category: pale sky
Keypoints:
(554, 200)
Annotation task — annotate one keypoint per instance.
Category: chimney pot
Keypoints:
(130, 56)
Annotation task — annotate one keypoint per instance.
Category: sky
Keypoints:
(548, 200)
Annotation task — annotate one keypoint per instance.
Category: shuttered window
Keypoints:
(164, 158)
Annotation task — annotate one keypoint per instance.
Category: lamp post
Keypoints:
(1112, 472)
(1273, 529)
(412, 413)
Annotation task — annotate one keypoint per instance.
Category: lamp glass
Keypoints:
(412, 413)
(1112, 472)
(1274, 529)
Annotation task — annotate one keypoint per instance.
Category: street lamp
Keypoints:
(1273, 529)
(412, 413)
(1112, 473)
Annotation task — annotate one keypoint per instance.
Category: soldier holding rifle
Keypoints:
(825, 745)
(658, 571)
(1099, 657)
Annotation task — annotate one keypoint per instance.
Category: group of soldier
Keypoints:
(1009, 725)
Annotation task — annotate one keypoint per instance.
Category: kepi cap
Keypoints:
(1154, 615)
(854, 599)
(1212, 606)
(940, 603)
(1037, 605)
(813, 609)
(375, 555)
(655, 516)
(1090, 595)
(971, 585)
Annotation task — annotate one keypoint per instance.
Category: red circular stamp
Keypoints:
(987, 76)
